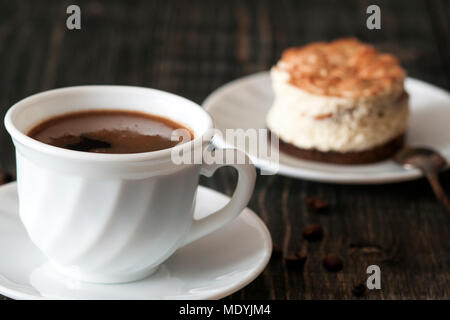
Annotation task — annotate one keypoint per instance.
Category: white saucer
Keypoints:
(243, 103)
(210, 268)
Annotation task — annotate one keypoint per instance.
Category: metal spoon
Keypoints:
(430, 162)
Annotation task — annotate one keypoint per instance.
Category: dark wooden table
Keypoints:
(193, 47)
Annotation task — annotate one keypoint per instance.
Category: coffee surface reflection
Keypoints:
(109, 131)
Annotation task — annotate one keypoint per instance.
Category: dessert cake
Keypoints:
(339, 102)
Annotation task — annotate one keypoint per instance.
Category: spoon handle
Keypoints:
(433, 179)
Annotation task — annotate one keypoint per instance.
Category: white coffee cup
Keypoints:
(113, 217)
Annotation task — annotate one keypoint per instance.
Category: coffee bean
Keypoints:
(358, 290)
(313, 232)
(317, 204)
(332, 262)
(5, 177)
(276, 251)
(297, 259)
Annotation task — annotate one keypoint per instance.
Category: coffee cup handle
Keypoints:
(239, 200)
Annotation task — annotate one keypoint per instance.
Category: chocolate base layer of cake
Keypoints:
(376, 154)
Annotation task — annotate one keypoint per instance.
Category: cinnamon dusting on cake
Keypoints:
(342, 68)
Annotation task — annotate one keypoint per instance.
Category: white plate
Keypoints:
(243, 103)
(210, 268)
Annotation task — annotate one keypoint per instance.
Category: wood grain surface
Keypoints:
(191, 48)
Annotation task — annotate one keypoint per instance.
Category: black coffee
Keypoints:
(109, 131)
